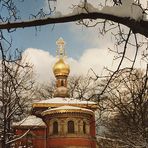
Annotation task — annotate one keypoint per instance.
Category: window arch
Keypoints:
(71, 126)
(84, 127)
(55, 127)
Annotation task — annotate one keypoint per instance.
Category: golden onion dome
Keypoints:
(61, 68)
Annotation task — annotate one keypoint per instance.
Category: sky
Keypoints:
(85, 47)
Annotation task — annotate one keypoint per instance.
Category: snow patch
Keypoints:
(30, 121)
(59, 100)
(128, 9)
(1, 103)
(84, 8)
(57, 14)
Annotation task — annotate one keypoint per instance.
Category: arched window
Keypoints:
(62, 83)
(84, 127)
(55, 127)
(71, 127)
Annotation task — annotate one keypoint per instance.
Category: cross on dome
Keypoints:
(60, 50)
(61, 71)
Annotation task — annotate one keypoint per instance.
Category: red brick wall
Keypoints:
(61, 142)
(38, 138)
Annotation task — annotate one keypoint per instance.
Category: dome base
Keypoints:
(61, 92)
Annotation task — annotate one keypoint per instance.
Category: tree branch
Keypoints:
(134, 25)
(19, 137)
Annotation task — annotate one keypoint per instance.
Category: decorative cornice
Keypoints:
(61, 111)
(90, 106)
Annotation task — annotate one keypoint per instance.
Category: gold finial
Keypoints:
(60, 51)
(60, 68)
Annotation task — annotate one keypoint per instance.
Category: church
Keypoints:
(61, 121)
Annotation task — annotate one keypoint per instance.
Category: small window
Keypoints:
(62, 83)
(70, 127)
(55, 127)
(84, 127)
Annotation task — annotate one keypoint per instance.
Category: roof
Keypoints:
(67, 109)
(59, 101)
(30, 121)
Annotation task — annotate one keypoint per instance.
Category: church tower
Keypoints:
(61, 121)
(61, 71)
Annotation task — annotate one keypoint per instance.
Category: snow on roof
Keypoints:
(60, 100)
(30, 121)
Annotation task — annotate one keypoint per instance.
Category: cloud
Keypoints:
(91, 36)
(94, 58)
(66, 6)
(42, 63)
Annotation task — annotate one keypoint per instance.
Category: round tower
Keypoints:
(61, 71)
(61, 121)
(71, 125)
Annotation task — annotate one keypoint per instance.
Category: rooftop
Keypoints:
(30, 121)
(59, 101)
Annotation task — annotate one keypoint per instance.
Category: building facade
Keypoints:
(61, 121)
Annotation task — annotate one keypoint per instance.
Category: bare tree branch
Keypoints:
(135, 26)
(11, 141)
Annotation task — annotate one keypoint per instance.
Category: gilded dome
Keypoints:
(61, 68)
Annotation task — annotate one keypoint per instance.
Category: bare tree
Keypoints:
(43, 92)
(106, 17)
(79, 87)
(107, 22)
(137, 26)
(15, 92)
(126, 109)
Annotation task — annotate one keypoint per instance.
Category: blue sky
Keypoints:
(82, 44)
(46, 36)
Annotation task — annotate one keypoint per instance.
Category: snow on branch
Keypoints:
(128, 9)
(129, 14)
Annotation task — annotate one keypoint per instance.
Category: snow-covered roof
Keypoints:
(60, 100)
(30, 121)
(67, 108)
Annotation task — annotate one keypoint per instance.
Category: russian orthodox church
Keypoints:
(61, 121)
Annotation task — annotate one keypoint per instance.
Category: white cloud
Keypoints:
(66, 6)
(42, 62)
(94, 58)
